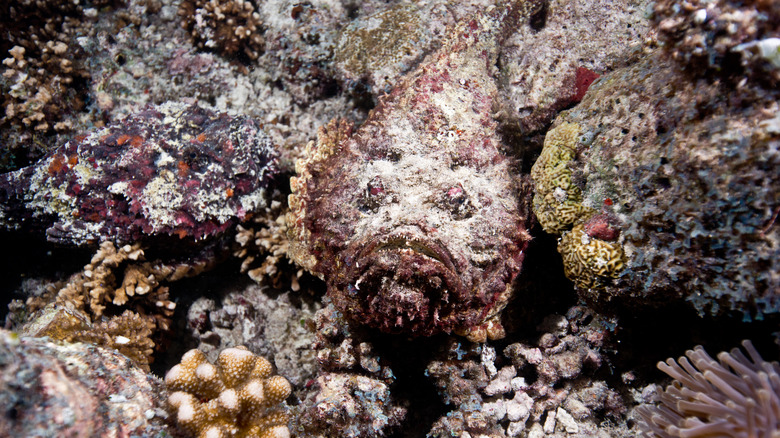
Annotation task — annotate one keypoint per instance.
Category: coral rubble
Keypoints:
(543, 388)
(238, 396)
(168, 170)
(413, 218)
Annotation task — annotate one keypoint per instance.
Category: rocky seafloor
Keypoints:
(390, 218)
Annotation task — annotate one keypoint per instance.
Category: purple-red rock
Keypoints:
(414, 219)
(167, 170)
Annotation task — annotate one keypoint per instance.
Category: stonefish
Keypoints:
(172, 169)
(413, 219)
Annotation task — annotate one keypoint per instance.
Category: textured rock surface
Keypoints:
(76, 390)
(271, 326)
(168, 170)
(692, 177)
(413, 219)
(549, 65)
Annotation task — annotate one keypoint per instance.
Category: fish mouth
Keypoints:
(401, 283)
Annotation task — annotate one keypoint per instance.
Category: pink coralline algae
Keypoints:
(414, 218)
(167, 170)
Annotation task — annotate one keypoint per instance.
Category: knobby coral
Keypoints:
(735, 396)
(237, 397)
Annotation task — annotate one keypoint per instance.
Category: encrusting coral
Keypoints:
(736, 395)
(236, 397)
(591, 253)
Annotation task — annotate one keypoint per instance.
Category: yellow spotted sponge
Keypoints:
(236, 397)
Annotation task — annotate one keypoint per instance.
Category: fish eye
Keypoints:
(457, 201)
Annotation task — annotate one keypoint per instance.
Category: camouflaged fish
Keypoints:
(173, 170)
(413, 219)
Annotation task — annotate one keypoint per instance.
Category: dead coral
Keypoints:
(736, 395)
(229, 27)
(237, 397)
(41, 76)
(544, 387)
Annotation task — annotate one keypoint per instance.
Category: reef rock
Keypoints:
(414, 219)
(167, 170)
(664, 186)
(75, 390)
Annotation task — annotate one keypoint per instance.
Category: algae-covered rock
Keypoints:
(689, 167)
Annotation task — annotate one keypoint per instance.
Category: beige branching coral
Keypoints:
(86, 308)
(264, 252)
(236, 397)
(734, 396)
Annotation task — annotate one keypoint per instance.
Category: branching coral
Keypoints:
(227, 26)
(85, 308)
(269, 244)
(734, 396)
(237, 397)
(41, 70)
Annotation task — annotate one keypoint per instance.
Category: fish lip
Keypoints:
(403, 241)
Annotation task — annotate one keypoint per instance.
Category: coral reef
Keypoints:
(228, 26)
(87, 307)
(548, 66)
(557, 199)
(237, 397)
(50, 389)
(413, 218)
(269, 324)
(42, 76)
(545, 388)
(691, 182)
(722, 37)
(590, 261)
(128, 333)
(351, 406)
(734, 396)
(268, 246)
(168, 170)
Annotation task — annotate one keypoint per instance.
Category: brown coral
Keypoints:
(228, 26)
(237, 397)
(264, 252)
(734, 396)
(42, 73)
